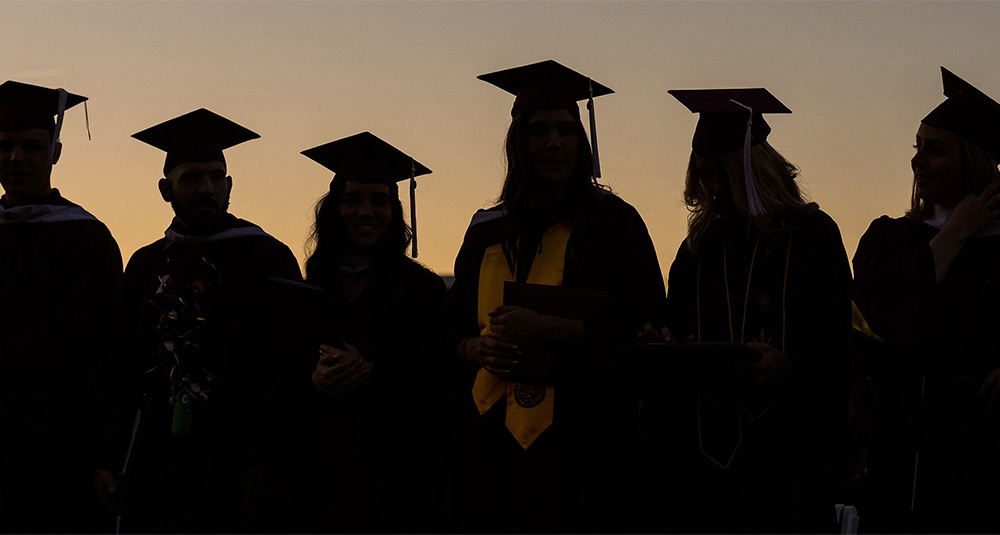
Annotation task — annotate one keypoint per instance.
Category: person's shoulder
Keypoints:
(261, 241)
(486, 227)
(85, 224)
(818, 228)
(611, 202)
(818, 220)
(420, 274)
(684, 249)
(615, 211)
(886, 226)
(153, 249)
(97, 230)
(416, 269)
(71, 215)
(486, 216)
(145, 255)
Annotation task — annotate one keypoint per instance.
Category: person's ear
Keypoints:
(229, 184)
(57, 152)
(166, 189)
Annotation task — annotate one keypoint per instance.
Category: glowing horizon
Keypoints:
(857, 76)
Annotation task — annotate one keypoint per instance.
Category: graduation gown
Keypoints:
(577, 475)
(727, 456)
(60, 274)
(361, 462)
(200, 297)
(935, 460)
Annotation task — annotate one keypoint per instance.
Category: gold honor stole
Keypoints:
(527, 416)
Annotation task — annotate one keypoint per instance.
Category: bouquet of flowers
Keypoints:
(183, 333)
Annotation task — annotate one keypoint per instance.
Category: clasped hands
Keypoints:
(512, 327)
(340, 371)
(773, 368)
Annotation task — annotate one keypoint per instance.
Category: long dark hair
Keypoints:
(520, 188)
(328, 239)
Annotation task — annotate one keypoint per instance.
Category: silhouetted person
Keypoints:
(194, 345)
(60, 274)
(739, 446)
(547, 426)
(929, 284)
(362, 457)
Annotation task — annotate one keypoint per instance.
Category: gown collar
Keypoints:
(941, 215)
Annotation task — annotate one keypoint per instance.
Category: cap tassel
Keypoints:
(60, 111)
(593, 129)
(86, 116)
(413, 208)
(754, 202)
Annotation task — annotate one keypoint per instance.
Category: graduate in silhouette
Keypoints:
(927, 284)
(743, 409)
(60, 275)
(361, 451)
(547, 423)
(193, 356)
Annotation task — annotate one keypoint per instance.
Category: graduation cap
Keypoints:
(968, 113)
(366, 158)
(198, 136)
(25, 106)
(548, 85)
(729, 120)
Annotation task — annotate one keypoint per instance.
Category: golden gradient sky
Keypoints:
(858, 76)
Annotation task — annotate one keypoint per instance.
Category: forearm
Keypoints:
(464, 350)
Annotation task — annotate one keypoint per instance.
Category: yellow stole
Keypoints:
(529, 408)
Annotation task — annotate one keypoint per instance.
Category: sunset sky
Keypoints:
(858, 77)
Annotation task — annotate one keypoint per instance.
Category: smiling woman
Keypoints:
(365, 211)
(361, 453)
(926, 283)
(553, 225)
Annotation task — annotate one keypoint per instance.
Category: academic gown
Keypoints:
(935, 460)
(361, 462)
(59, 283)
(189, 470)
(726, 456)
(578, 474)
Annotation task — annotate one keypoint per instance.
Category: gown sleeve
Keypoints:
(894, 276)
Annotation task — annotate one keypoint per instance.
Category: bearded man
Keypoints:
(194, 356)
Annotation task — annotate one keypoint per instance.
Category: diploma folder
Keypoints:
(541, 363)
(696, 350)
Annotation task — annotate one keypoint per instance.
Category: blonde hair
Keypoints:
(773, 178)
(978, 170)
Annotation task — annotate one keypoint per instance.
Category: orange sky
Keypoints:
(858, 77)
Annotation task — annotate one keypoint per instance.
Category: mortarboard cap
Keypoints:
(26, 106)
(198, 136)
(968, 113)
(729, 120)
(548, 85)
(722, 124)
(366, 158)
